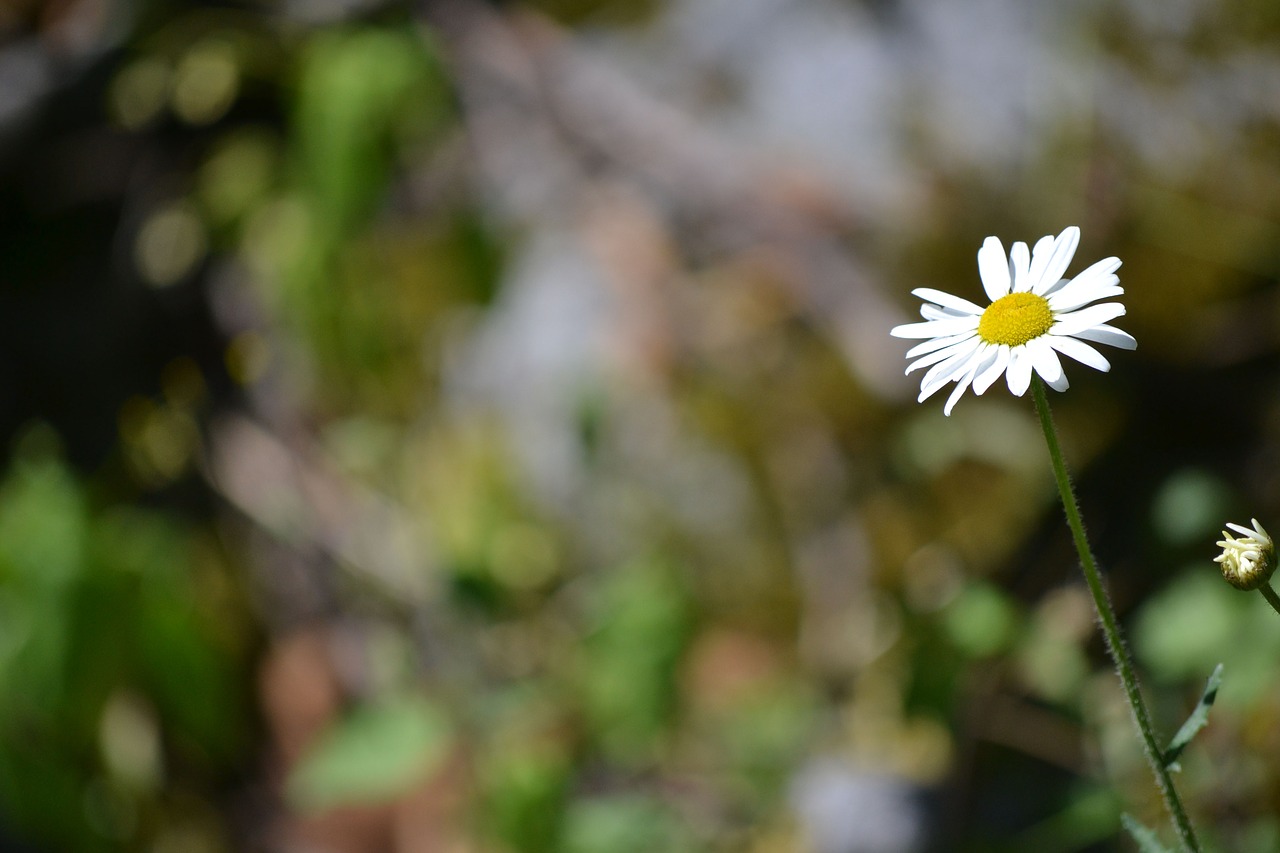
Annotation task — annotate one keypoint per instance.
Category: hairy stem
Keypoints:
(1111, 626)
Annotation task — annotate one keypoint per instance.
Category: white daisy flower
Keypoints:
(1246, 562)
(1034, 315)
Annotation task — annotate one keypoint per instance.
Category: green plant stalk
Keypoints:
(1111, 626)
(1270, 595)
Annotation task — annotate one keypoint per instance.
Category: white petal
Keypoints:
(933, 358)
(927, 391)
(983, 353)
(958, 392)
(1019, 262)
(991, 373)
(1040, 254)
(1046, 292)
(1044, 360)
(1109, 335)
(1101, 273)
(1105, 270)
(937, 343)
(1019, 372)
(1061, 384)
(1100, 270)
(946, 300)
(987, 355)
(1076, 321)
(936, 312)
(935, 328)
(1064, 249)
(943, 372)
(993, 268)
(1070, 297)
(1080, 351)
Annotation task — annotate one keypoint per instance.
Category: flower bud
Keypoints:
(1247, 562)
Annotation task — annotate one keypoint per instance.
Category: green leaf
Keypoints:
(373, 755)
(1198, 720)
(1146, 839)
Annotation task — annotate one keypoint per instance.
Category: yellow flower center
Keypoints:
(1015, 319)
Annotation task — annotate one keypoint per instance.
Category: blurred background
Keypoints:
(473, 427)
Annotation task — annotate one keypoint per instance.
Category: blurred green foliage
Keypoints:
(119, 658)
(629, 661)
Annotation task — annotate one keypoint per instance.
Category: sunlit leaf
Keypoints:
(371, 755)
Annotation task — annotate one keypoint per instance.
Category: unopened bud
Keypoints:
(1247, 562)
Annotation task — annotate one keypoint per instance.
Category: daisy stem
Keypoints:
(1270, 595)
(1111, 626)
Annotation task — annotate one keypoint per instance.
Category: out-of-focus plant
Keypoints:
(119, 648)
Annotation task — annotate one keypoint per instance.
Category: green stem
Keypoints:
(1270, 595)
(1111, 626)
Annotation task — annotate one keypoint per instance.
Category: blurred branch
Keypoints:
(291, 494)
(547, 119)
